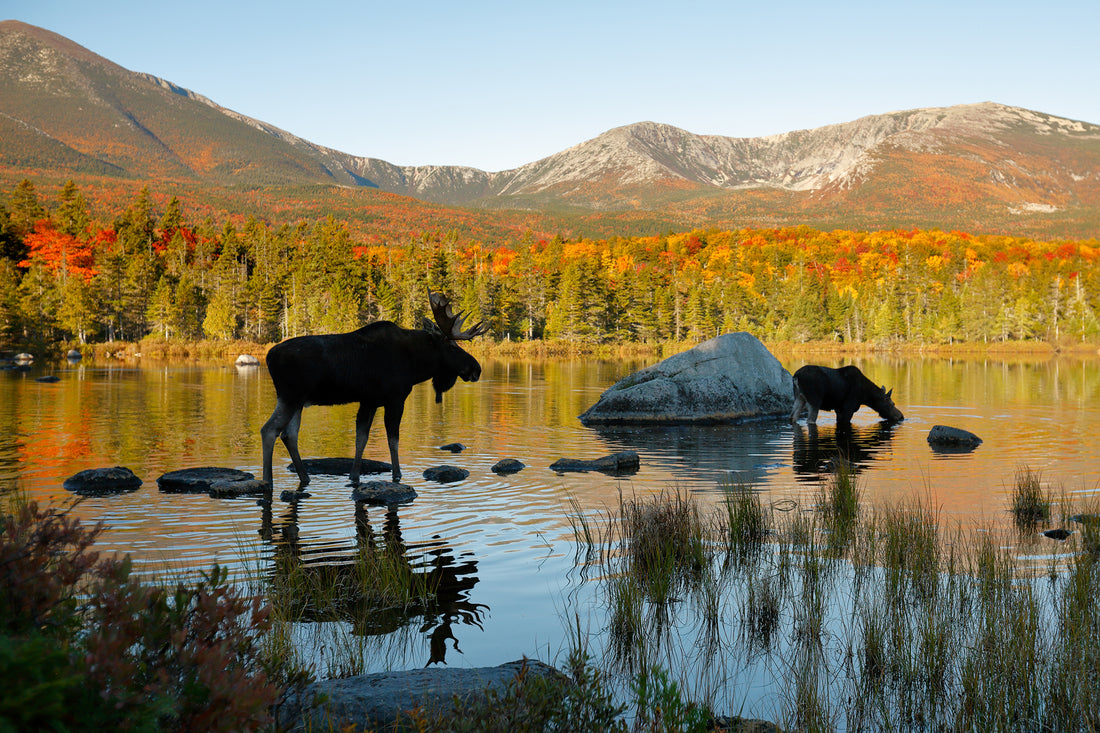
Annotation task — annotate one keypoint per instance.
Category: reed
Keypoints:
(904, 625)
(1030, 503)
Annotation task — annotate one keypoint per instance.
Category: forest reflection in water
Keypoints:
(498, 552)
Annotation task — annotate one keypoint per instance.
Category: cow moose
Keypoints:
(376, 366)
(841, 390)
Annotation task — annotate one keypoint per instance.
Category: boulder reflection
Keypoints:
(379, 585)
(818, 450)
(704, 450)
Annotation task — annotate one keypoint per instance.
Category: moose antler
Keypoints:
(450, 322)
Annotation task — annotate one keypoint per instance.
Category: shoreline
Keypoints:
(554, 350)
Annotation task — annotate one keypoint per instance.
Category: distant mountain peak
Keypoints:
(63, 107)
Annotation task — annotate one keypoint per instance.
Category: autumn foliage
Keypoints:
(150, 271)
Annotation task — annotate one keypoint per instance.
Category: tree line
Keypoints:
(65, 277)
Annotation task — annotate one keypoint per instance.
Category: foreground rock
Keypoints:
(202, 481)
(383, 493)
(375, 701)
(341, 466)
(946, 439)
(103, 481)
(730, 378)
(619, 463)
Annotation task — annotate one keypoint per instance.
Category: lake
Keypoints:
(504, 544)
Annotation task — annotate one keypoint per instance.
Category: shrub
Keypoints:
(85, 645)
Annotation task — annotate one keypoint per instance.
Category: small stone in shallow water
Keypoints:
(383, 493)
(623, 462)
(102, 481)
(1057, 534)
(453, 447)
(508, 465)
(445, 474)
(198, 480)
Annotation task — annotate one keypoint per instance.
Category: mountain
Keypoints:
(65, 110)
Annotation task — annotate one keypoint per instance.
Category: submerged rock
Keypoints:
(453, 447)
(48, 379)
(619, 463)
(1058, 534)
(237, 487)
(383, 493)
(375, 701)
(946, 439)
(199, 480)
(445, 474)
(103, 481)
(508, 465)
(341, 466)
(730, 378)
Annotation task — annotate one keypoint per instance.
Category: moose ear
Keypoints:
(888, 393)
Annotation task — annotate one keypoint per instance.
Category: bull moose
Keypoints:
(376, 366)
(841, 390)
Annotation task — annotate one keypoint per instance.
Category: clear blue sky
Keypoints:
(495, 85)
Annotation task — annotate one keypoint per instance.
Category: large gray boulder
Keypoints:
(375, 701)
(730, 378)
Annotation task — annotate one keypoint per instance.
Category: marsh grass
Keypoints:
(865, 619)
(1030, 503)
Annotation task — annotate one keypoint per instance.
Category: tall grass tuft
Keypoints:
(1030, 504)
(839, 501)
(746, 521)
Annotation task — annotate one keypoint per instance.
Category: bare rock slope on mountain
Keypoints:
(66, 109)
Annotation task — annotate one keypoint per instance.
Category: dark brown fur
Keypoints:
(842, 391)
(376, 366)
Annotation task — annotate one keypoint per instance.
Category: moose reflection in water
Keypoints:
(376, 366)
(820, 451)
(842, 391)
(379, 586)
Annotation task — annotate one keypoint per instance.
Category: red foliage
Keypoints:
(61, 253)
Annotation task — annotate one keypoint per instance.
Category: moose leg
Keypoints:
(271, 430)
(290, 440)
(392, 420)
(799, 405)
(811, 416)
(363, 420)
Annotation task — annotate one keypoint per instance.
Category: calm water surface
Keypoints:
(504, 544)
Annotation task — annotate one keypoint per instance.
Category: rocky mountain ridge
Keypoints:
(61, 105)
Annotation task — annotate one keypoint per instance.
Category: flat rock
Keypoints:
(508, 465)
(728, 379)
(240, 487)
(383, 493)
(946, 439)
(341, 466)
(619, 463)
(445, 474)
(103, 481)
(198, 480)
(375, 701)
